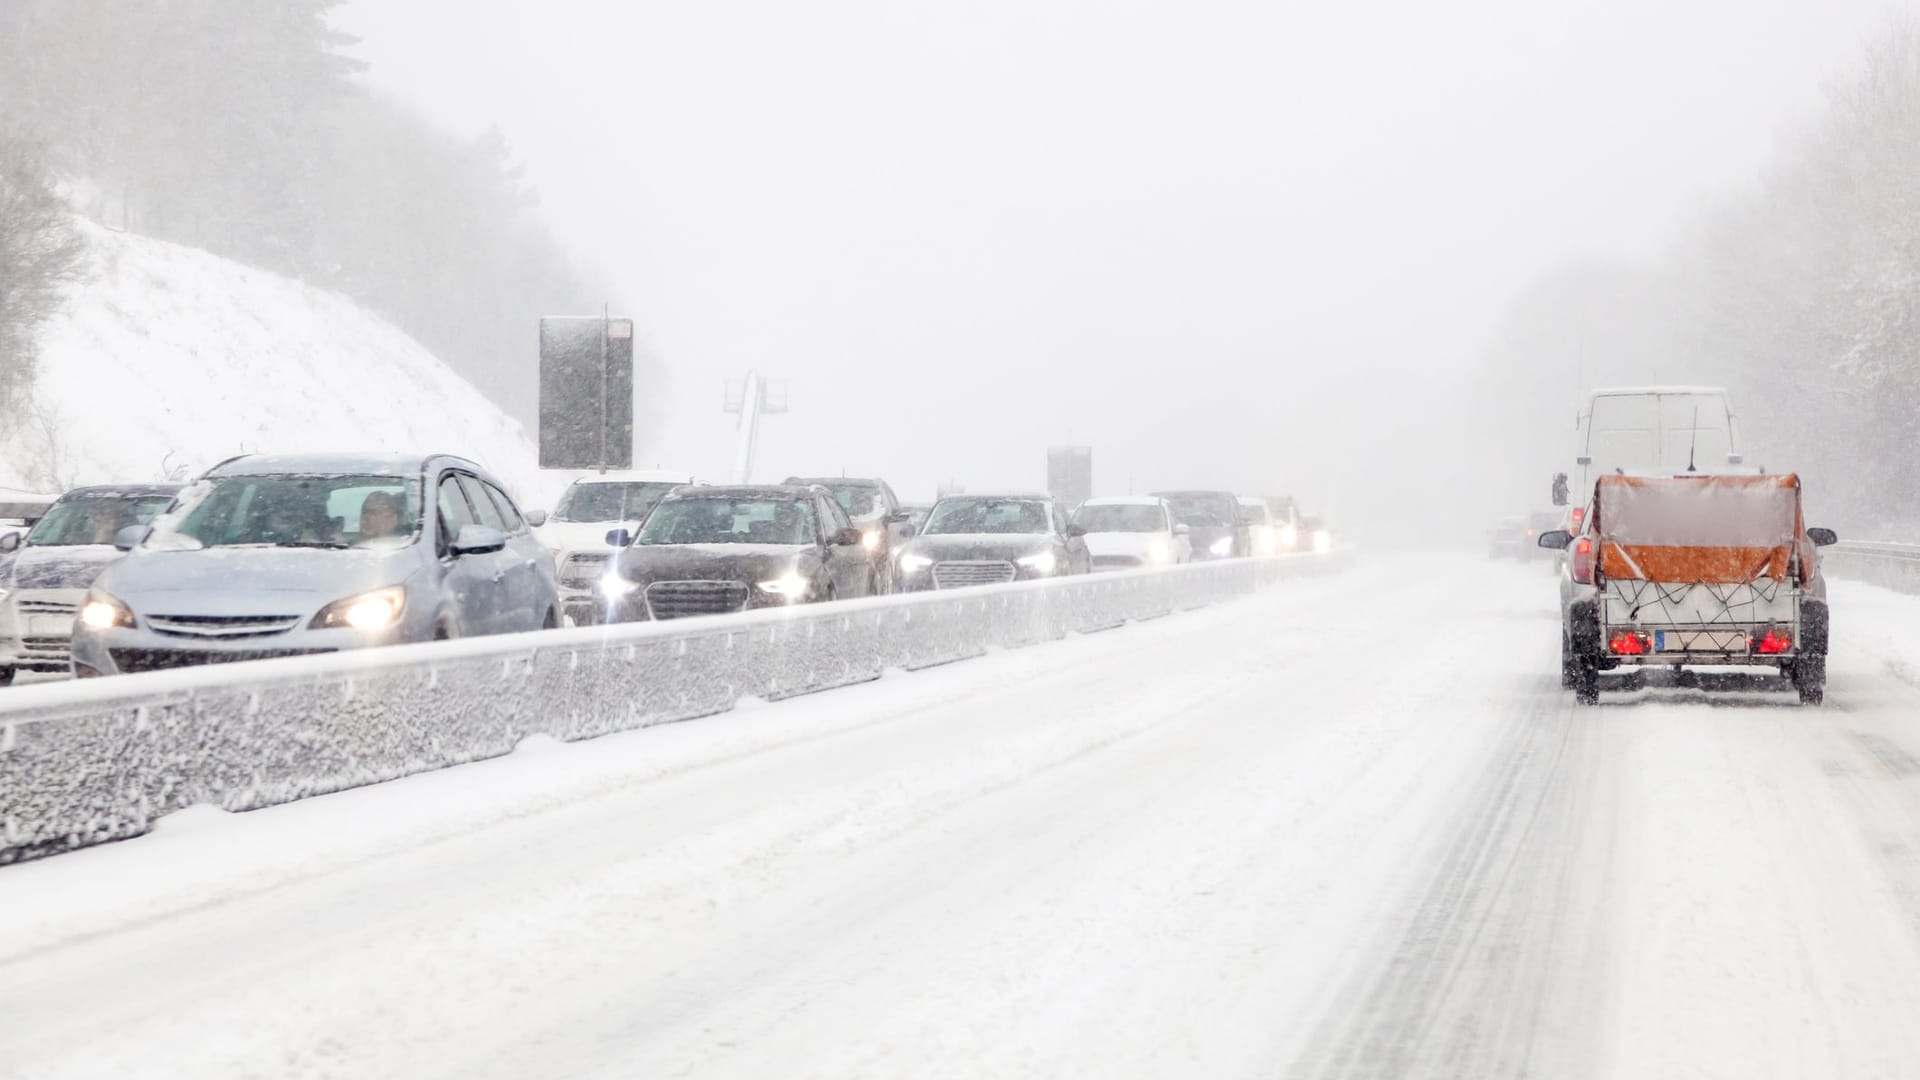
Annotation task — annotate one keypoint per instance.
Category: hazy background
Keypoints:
(1249, 244)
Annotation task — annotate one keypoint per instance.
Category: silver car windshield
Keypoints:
(305, 511)
(729, 521)
(94, 519)
(616, 501)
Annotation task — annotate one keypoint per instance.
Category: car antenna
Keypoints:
(1694, 443)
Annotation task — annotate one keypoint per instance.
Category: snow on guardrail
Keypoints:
(87, 762)
(1876, 562)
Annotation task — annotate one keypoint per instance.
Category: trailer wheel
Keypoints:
(1810, 678)
(1586, 682)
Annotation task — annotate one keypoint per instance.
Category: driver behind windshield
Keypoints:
(380, 516)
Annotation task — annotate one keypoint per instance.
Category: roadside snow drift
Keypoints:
(167, 357)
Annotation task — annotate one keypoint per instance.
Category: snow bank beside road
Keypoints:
(167, 356)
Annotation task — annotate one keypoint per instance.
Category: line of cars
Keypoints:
(269, 556)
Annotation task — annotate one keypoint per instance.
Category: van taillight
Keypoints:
(1630, 643)
(1583, 560)
(1773, 642)
(1579, 516)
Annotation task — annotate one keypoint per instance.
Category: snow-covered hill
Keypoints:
(170, 359)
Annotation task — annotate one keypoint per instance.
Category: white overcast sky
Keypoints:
(1226, 243)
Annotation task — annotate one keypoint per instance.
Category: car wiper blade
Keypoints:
(332, 545)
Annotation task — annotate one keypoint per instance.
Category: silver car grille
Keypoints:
(48, 607)
(223, 627)
(678, 599)
(585, 570)
(959, 573)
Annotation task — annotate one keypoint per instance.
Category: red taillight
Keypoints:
(1773, 642)
(1579, 515)
(1583, 560)
(1630, 643)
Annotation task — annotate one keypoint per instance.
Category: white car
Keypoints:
(1262, 533)
(593, 506)
(1128, 531)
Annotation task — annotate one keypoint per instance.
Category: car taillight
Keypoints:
(1630, 643)
(1583, 560)
(1579, 515)
(1773, 642)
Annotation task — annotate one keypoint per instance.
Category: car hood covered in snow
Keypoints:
(66, 567)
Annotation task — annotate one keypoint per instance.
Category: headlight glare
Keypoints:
(1222, 546)
(870, 539)
(913, 564)
(374, 610)
(1158, 551)
(1043, 563)
(103, 612)
(790, 585)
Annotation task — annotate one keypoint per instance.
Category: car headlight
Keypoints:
(913, 564)
(1158, 551)
(790, 585)
(1042, 563)
(613, 586)
(1322, 541)
(374, 610)
(1289, 536)
(1222, 546)
(103, 612)
(870, 539)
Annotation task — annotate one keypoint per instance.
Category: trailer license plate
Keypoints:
(1706, 641)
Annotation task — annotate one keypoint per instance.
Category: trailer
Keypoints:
(1693, 570)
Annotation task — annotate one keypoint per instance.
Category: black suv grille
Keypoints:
(678, 599)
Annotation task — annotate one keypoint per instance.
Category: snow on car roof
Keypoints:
(1123, 500)
(1640, 391)
(636, 476)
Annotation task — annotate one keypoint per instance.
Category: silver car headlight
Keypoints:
(104, 612)
(1043, 563)
(791, 585)
(913, 564)
(374, 610)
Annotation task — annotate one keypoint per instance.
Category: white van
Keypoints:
(1667, 428)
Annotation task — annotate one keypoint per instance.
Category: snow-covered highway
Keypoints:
(1350, 827)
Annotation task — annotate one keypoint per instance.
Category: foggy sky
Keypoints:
(1224, 243)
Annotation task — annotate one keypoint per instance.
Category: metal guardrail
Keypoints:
(1876, 562)
(88, 762)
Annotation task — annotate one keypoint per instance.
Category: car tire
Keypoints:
(6, 676)
(1568, 669)
(443, 632)
(552, 620)
(1809, 676)
(1586, 682)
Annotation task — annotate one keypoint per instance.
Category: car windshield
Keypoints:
(1120, 517)
(290, 510)
(94, 519)
(988, 516)
(1212, 511)
(729, 521)
(1256, 512)
(595, 500)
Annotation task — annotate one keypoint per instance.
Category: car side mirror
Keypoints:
(847, 537)
(1183, 529)
(619, 538)
(1075, 531)
(9, 543)
(899, 517)
(129, 538)
(1823, 537)
(535, 518)
(479, 540)
(1555, 539)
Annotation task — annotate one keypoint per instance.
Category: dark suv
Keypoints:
(1217, 528)
(874, 509)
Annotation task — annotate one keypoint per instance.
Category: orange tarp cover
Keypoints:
(1710, 529)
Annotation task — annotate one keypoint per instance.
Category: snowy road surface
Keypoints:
(1349, 828)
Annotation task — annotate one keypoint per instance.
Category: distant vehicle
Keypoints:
(1510, 539)
(1217, 527)
(270, 555)
(916, 516)
(45, 573)
(725, 548)
(990, 539)
(1538, 522)
(591, 507)
(1319, 533)
(875, 511)
(1286, 521)
(1669, 428)
(1128, 531)
(1688, 569)
(1262, 533)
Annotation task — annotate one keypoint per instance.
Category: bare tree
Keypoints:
(39, 254)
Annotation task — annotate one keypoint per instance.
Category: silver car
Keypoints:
(269, 556)
(45, 572)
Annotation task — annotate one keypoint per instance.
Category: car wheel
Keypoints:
(443, 632)
(873, 583)
(1568, 670)
(6, 676)
(1809, 677)
(1586, 682)
(552, 621)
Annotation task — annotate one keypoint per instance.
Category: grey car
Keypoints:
(45, 572)
(991, 539)
(269, 556)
